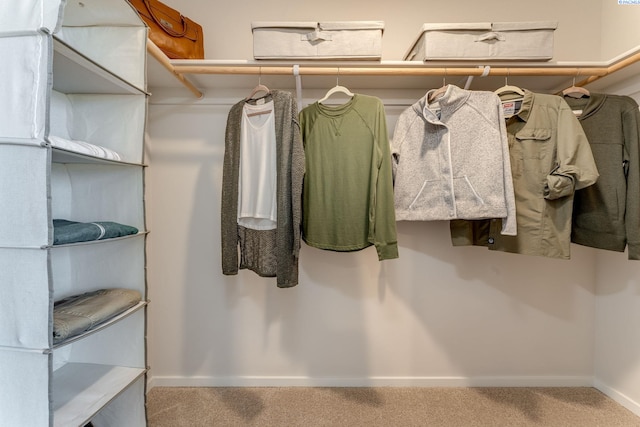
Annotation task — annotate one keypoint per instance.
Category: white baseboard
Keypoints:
(621, 398)
(520, 381)
(516, 381)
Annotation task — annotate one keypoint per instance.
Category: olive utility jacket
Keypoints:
(550, 159)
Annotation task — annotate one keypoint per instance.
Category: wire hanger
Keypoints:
(259, 88)
(337, 89)
(576, 91)
(507, 88)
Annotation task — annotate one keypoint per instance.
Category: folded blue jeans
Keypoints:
(65, 231)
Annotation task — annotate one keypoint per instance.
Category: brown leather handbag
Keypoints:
(176, 35)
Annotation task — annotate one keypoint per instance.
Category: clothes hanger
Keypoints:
(258, 113)
(576, 91)
(257, 89)
(337, 89)
(510, 106)
(439, 93)
(507, 88)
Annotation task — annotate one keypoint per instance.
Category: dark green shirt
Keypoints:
(607, 215)
(348, 187)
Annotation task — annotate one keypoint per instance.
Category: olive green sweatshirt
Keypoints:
(348, 188)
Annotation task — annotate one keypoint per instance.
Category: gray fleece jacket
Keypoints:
(451, 160)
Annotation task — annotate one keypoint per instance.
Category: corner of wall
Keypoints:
(616, 347)
(619, 30)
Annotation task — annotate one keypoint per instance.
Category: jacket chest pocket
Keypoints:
(530, 152)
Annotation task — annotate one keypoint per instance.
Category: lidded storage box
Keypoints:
(531, 41)
(318, 40)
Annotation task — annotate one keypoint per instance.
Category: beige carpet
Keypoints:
(387, 406)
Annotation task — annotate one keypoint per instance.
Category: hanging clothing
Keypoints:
(451, 160)
(550, 159)
(348, 191)
(607, 215)
(274, 252)
(257, 175)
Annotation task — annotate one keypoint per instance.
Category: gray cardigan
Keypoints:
(269, 253)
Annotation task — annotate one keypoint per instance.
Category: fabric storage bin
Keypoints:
(484, 41)
(318, 40)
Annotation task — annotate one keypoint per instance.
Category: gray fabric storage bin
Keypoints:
(318, 40)
(531, 41)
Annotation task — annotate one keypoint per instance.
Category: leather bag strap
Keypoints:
(169, 31)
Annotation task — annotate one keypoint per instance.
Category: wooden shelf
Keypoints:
(537, 76)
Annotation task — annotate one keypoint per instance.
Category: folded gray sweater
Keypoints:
(80, 313)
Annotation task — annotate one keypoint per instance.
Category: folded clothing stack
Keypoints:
(80, 313)
(83, 148)
(65, 231)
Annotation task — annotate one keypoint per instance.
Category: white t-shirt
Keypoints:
(257, 179)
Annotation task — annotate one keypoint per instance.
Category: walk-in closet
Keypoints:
(97, 127)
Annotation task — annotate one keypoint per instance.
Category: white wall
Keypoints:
(617, 347)
(436, 315)
(620, 29)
